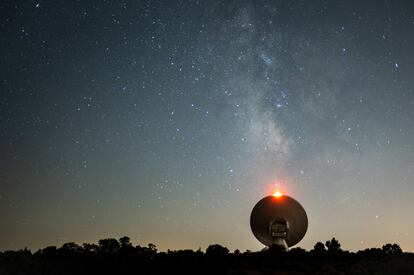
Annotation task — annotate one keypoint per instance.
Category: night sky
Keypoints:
(166, 121)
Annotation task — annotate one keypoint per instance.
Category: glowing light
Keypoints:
(277, 194)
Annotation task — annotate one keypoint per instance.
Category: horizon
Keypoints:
(204, 249)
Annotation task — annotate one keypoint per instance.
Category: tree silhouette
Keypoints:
(124, 242)
(333, 246)
(108, 246)
(70, 247)
(113, 256)
(126, 248)
(371, 253)
(391, 249)
(50, 251)
(149, 251)
(216, 250)
(152, 247)
(319, 248)
(90, 248)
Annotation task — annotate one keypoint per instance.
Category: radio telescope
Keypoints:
(278, 220)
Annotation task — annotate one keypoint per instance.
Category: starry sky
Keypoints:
(166, 121)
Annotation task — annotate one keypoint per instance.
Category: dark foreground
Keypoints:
(113, 256)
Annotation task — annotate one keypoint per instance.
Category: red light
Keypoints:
(277, 194)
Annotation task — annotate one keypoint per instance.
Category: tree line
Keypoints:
(112, 256)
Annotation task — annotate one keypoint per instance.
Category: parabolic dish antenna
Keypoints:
(280, 220)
